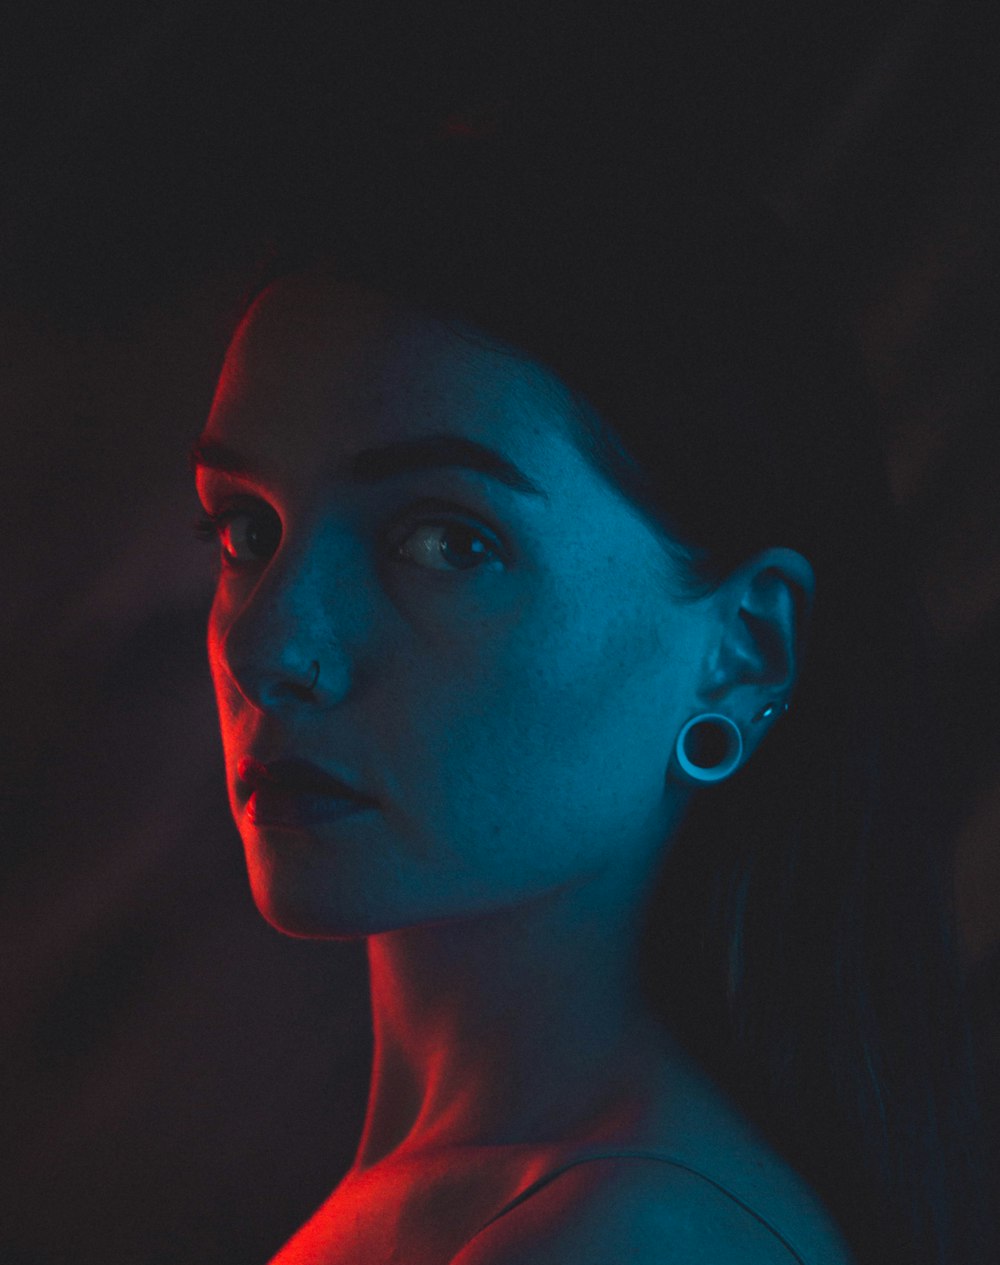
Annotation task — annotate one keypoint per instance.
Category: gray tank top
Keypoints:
(639, 1155)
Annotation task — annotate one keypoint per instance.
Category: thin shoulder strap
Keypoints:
(638, 1155)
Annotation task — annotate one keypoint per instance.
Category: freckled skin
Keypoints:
(515, 720)
(516, 725)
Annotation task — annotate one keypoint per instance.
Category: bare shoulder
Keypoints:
(642, 1211)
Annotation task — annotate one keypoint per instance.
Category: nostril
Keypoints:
(304, 688)
(267, 685)
(301, 692)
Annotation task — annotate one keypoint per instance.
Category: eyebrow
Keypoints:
(371, 465)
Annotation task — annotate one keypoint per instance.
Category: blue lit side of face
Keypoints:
(503, 671)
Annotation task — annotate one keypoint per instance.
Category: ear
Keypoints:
(763, 610)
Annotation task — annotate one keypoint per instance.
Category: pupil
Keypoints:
(262, 536)
(475, 546)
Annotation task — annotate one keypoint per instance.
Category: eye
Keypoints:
(448, 545)
(246, 534)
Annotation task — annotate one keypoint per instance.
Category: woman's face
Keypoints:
(502, 670)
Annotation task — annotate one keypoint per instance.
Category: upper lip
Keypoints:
(295, 775)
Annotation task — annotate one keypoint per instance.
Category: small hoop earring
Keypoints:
(717, 747)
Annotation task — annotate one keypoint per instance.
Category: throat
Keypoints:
(536, 1081)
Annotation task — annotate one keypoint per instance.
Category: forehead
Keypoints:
(319, 363)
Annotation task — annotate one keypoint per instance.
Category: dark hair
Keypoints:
(802, 941)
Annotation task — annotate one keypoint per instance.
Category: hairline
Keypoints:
(594, 438)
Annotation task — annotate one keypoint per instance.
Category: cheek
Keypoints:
(229, 702)
(214, 642)
(539, 751)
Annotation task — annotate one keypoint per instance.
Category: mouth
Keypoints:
(296, 793)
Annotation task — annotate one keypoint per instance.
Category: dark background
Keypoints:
(180, 1083)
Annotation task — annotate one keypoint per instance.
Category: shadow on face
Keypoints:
(500, 665)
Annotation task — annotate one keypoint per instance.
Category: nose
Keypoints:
(293, 638)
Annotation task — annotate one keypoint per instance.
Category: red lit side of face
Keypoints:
(501, 668)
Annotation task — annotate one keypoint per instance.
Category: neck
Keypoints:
(521, 1026)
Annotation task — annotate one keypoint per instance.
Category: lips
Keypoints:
(296, 794)
(296, 776)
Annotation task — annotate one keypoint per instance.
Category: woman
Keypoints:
(564, 650)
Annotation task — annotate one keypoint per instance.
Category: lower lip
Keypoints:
(294, 810)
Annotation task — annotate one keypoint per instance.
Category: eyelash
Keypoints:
(208, 528)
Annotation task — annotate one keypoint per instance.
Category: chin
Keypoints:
(297, 904)
(311, 906)
(304, 918)
(305, 892)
